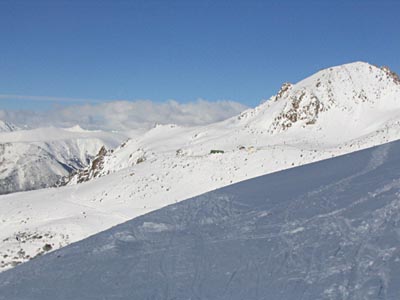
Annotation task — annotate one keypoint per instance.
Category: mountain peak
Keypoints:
(347, 92)
(364, 67)
(391, 74)
(76, 128)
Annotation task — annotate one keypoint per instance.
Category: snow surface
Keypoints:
(327, 230)
(334, 112)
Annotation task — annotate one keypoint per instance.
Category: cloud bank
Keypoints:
(125, 115)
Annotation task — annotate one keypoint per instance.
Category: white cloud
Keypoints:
(123, 115)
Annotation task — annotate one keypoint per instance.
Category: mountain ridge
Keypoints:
(7, 126)
(39, 158)
(302, 104)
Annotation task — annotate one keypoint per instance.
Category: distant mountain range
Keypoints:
(39, 158)
(7, 127)
(335, 111)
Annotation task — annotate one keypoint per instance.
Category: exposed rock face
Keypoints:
(283, 90)
(391, 74)
(301, 106)
(92, 171)
(106, 162)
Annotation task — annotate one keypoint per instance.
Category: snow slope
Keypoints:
(31, 159)
(318, 118)
(327, 230)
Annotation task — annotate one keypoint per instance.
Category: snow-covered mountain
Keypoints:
(334, 112)
(31, 159)
(328, 230)
(350, 104)
(7, 126)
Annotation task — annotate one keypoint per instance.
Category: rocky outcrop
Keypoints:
(302, 106)
(391, 74)
(92, 171)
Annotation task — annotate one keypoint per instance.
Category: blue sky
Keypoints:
(88, 51)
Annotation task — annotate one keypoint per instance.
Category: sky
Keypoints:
(58, 53)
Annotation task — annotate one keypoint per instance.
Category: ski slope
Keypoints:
(327, 230)
(335, 111)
